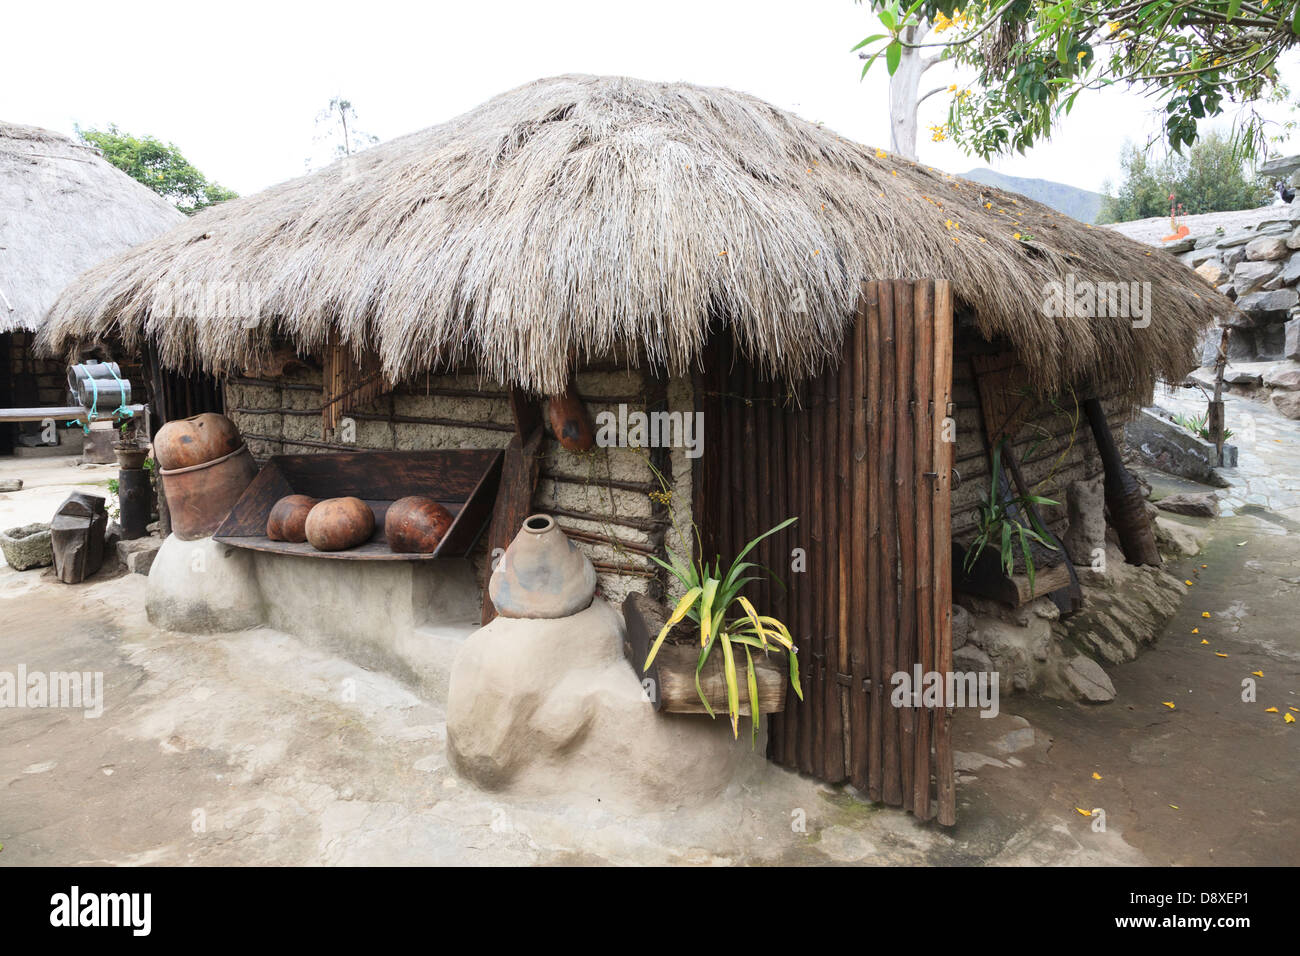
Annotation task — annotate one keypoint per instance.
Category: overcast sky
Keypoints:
(237, 85)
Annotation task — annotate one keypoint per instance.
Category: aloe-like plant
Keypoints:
(999, 525)
(728, 620)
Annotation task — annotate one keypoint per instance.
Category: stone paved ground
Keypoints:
(1268, 464)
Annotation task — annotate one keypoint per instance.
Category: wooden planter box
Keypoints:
(672, 675)
(464, 481)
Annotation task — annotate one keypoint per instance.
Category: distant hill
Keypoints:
(1077, 203)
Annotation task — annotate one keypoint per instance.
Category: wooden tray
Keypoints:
(464, 481)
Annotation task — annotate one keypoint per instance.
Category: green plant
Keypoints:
(1198, 425)
(999, 525)
(727, 619)
(114, 509)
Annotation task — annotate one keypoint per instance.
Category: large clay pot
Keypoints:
(337, 524)
(416, 525)
(542, 574)
(570, 421)
(288, 518)
(187, 442)
(205, 466)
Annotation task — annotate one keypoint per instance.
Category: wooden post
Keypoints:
(1214, 414)
(944, 450)
(857, 530)
(519, 474)
(905, 511)
(923, 437)
(1127, 509)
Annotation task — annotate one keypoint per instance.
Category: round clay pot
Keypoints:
(187, 442)
(542, 574)
(570, 422)
(337, 524)
(416, 525)
(288, 518)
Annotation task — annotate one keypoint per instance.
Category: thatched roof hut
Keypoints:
(64, 209)
(578, 214)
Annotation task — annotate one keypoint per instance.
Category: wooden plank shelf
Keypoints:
(464, 481)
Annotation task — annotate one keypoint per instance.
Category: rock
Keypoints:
(1014, 741)
(971, 660)
(138, 554)
(28, 546)
(1237, 240)
(1241, 345)
(203, 586)
(1201, 504)
(1288, 378)
(1273, 305)
(1280, 167)
(1212, 271)
(1177, 246)
(1227, 290)
(1179, 538)
(1089, 682)
(961, 624)
(1199, 256)
(1267, 247)
(1086, 507)
(1291, 346)
(1293, 240)
(11, 484)
(1288, 404)
(1270, 340)
(1210, 348)
(1249, 276)
(1273, 283)
(1233, 256)
(547, 706)
(1239, 376)
(1290, 273)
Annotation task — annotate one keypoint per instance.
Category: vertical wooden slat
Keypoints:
(872, 619)
(942, 557)
(923, 442)
(818, 565)
(858, 531)
(808, 591)
(834, 636)
(780, 565)
(794, 716)
(905, 512)
(887, 580)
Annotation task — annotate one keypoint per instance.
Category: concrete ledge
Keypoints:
(1165, 445)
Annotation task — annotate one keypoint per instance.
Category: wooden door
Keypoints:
(861, 455)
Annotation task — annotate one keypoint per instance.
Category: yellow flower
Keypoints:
(880, 154)
(952, 87)
(1169, 704)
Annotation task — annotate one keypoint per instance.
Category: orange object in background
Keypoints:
(1183, 230)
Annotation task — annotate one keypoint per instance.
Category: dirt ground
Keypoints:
(244, 748)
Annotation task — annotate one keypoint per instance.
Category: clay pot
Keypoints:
(570, 421)
(130, 455)
(187, 442)
(199, 497)
(288, 518)
(337, 524)
(416, 525)
(542, 574)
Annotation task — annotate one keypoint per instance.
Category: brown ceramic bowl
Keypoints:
(416, 525)
(337, 524)
(288, 518)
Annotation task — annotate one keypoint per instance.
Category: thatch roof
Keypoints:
(581, 213)
(63, 208)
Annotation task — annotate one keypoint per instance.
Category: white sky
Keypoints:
(237, 85)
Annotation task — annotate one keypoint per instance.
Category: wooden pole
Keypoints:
(923, 437)
(942, 556)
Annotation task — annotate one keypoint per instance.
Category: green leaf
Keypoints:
(893, 55)
(1234, 8)
(752, 680)
(871, 39)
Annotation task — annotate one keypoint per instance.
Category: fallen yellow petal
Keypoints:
(1168, 703)
(1205, 565)
(1288, 718)
(1220, 654)
(1257, 673)
(1196, 630)
(1086, 813)
(1296, 709)
(1204, 641)
(1188, 582)
(1172, 806)
(1205, 614)
(1270, 710)
(1096, 775)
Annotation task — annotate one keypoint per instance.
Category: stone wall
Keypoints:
(1252, 257)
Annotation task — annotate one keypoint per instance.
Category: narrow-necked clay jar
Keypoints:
(542, 574)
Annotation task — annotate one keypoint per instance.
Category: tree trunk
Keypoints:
(904, 96)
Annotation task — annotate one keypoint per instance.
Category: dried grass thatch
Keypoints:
(580, 213)
(62, 209)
